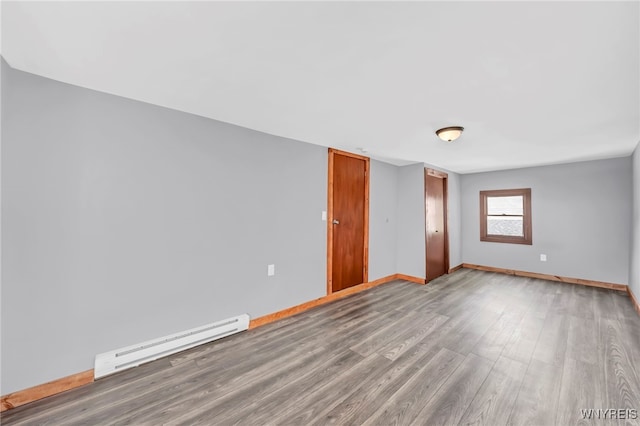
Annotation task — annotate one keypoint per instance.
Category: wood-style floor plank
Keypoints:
(582, 342)
(494, 401)
(349, 365)
(455, 395)
(406, 340)
(404, 406)
(537, 400)
(582, 387)
(621, 366)
(552, 342)
(472, 347)
(380, 385)
(492, 343)
(524, 338)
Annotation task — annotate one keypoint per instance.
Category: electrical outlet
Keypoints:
(543, 258)
(271, 270)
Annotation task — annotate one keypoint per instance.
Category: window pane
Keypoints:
(505, 205)
(501, 225)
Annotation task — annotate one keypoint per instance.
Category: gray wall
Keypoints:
(124, 221)
(581, 215)
(411, 244)
(634, 260)
(454, 225)
(383, 220)
(3, 81)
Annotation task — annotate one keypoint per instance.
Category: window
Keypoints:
(505, 216)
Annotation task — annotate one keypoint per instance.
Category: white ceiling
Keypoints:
(532, 83)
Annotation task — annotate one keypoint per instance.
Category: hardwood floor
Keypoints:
(472, 347)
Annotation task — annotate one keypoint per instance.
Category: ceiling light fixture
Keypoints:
(449, 134)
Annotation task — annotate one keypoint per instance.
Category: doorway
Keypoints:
(437, 239)
(347, 220)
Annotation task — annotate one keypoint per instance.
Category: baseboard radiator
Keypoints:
(134, 355)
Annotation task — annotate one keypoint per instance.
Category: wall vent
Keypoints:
(134, 355)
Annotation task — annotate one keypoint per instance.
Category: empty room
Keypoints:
(320, 213)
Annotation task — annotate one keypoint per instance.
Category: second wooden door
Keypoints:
(437, 259)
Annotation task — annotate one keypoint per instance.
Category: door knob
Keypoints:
(336, 222)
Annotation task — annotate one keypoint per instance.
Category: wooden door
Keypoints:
(437, 250)
(348, 220)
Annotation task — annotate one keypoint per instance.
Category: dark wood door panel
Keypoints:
(348, 220)
(435, 215)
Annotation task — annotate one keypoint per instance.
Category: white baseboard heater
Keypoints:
(134, 355)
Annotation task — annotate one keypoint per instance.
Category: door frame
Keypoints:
(445, 200)
(365, 274)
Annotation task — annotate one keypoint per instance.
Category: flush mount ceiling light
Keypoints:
(449, 134)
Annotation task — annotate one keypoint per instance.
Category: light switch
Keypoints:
(324, 215)
(271, 270)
